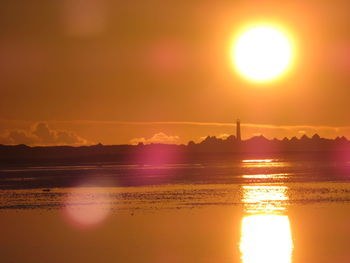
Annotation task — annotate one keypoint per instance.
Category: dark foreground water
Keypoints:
(249, 211)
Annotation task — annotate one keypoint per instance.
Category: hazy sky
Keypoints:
(112, 71)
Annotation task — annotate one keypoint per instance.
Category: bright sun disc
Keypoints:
(262, 53)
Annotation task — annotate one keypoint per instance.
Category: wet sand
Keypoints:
(202, 231)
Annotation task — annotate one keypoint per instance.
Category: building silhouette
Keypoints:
(238, 130)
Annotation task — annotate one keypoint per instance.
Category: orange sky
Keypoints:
(112, 71)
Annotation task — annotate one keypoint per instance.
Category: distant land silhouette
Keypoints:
(23, 166)
(210, 149)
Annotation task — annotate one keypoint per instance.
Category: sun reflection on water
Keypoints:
(257, 161)
(263, 163)
(266, 238)
(266, 176)
(264, 199)
(266, 235)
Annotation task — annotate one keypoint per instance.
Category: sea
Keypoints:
(249, 210)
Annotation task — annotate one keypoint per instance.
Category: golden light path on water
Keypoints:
(266, 235)
(260, 163)
(266, 176)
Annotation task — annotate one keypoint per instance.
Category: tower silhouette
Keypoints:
(238, 130)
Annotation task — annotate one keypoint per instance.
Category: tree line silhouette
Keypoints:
(210, 149)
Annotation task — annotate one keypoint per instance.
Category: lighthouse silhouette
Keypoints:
(238, 130)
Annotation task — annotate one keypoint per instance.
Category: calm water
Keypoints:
(265, 210)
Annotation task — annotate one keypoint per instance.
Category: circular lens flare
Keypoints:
(87, 207)
(262, 53)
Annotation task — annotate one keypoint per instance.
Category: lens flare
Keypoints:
(87, 207)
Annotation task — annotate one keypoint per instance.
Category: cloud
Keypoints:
(116, 132)
(42, 131)
(41, 134)
(22, 137)
(223, 136)
(159, 137)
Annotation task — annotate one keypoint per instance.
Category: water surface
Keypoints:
(258, 210)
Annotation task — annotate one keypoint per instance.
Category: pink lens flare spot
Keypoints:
(87, 207)
(166, 57)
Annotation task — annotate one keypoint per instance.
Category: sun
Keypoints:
(262, 53)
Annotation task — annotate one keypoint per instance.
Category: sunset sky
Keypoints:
(81, 72)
